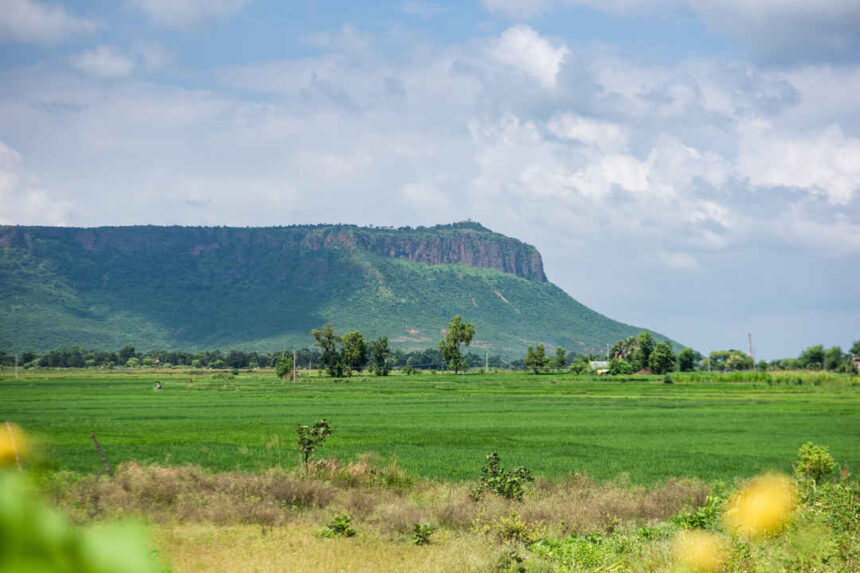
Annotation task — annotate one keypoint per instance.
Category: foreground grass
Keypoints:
(205, 521)
(438, 426)
(204, 547)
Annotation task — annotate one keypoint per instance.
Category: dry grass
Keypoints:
(369, 494)
(204, 547)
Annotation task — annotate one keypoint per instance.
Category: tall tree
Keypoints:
(380, 355)
(354, 351)
(458, 333)
(645, 346)
(536, 358)
(812, 357)
(686, 360)
(834, 358)
(330, 356)
(661, 359)
(560, 357)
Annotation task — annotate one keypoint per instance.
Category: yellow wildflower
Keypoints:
(699, 551)
(762, 506)
(12, 440)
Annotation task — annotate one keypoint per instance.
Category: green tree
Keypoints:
(536, 358)
(623, 349)
(581, 366)
(855, 348)
(812, 358)
(661, 359)
(645, 346)
(330, 356)
(458, 333)
(354, 351)
(834, 358)
(125, 353)
(762, 366)
(311, 438)
(380, 356)
(560, 357)
(284, 366)
(686, 360)
(619, 366)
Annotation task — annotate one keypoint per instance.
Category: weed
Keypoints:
(421, 534)
(507, 483)
(340, 526)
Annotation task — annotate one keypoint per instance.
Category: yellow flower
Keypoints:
(699, 551)
(762, 506)
(12, 439)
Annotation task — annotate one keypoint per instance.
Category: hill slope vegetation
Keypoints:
(265, 288)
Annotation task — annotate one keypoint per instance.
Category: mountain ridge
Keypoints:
(264, 288)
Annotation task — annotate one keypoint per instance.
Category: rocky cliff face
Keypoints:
(462, 243)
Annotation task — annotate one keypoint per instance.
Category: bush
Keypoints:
(814, 462)
(421, 534)
(341, 526)
(507, 483)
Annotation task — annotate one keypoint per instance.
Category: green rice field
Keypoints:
(437, 426)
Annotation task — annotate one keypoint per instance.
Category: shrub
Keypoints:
(507, 483)
(814, 462)
(340, 526)
(421, 534)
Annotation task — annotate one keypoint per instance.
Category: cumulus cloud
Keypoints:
(605, 135)
(825, 162)
(181, 13)
(528, 52)
(104, 61)
(39, 23)
(20, 203)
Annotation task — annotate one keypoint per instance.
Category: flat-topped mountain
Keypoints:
(265, 288)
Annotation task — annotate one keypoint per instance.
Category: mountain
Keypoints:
(266, 288)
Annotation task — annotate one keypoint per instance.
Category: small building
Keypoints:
(857, 363)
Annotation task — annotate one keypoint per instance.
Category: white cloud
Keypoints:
(825, 163)
(527, 51)
(424, 196)
(20, 203)
(39, 23)
(602, 134)
(180, 13)
(103, 61)
(678, 260)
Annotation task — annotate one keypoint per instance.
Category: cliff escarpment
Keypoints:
(467, 244)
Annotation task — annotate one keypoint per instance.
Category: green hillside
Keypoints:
(265, 288)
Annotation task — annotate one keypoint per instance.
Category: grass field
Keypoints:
(438, 426)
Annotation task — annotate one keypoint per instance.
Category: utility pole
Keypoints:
(294, 365)
(749, 348)
(486, 361)
(16, 366)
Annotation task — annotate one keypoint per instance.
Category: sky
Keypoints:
(690, 166)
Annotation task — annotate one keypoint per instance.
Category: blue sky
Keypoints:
(692, 166)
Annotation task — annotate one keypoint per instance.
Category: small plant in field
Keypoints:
(814, 462)
(340, 526)
(510, 484)
(704, 517)
(311, 438)
(421, 534)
